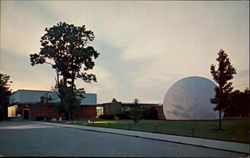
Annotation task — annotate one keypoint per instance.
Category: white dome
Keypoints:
(189, 99)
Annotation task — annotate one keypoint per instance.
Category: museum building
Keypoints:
(25, 104)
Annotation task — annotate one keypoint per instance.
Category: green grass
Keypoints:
(233, 130)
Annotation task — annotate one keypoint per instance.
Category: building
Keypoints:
(156, 109)
(24, 103)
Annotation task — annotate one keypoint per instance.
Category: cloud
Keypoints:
(23, 75)
(23, 24)
(107, 87)
(144, 46)
(241, 80)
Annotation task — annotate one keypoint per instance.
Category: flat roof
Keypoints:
(39, 91)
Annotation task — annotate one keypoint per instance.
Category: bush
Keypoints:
(123, 116)
(41, 118)
(136, 113)
(107, 117)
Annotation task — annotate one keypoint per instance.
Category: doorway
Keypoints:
(26, 114)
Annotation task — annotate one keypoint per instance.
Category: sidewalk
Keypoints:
(208, 143)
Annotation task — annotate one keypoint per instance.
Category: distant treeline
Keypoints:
(238, 104)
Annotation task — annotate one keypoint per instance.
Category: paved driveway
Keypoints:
(25, 138)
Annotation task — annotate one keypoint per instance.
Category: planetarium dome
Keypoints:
(189, 99)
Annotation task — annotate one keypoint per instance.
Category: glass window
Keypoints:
(99, 111)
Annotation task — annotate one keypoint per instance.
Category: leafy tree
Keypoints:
(221, 76)
(136, 113)
(115, 107)
(114, 110)
(46, 98)
(65, 48)
(234, 101)
(5, 92)
(239, 104)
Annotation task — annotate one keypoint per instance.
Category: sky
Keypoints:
(144, 46)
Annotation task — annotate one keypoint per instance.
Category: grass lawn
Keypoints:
(233, 130)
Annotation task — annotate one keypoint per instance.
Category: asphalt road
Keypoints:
(25, 138)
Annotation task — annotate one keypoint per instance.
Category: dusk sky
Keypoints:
(144, 46)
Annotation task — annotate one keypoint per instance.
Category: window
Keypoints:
(99, 111)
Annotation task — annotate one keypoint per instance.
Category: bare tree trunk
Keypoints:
(220, 107)
(220, 120)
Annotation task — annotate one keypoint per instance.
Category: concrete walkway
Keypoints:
(208, 143)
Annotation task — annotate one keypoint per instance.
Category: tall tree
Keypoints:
(65, 47)
(221, 76)
(5, 92)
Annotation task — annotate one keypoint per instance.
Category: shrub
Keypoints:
(107, 117)
(123, 116)
(41, 118)
(136, 114)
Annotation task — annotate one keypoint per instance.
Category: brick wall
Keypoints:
(85, 112)
(160, 114)
(48, 111)
(35, 112)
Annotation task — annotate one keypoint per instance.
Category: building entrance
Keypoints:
(26, 114)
